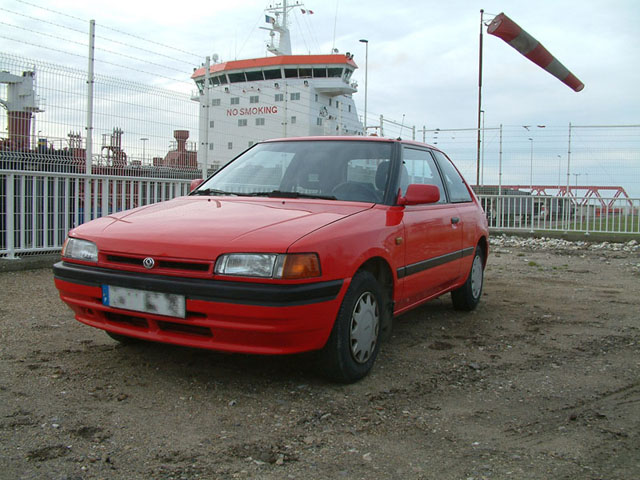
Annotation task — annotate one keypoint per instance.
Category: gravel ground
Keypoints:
(541, 381)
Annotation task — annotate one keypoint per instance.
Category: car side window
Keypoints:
(418, 166)
(458, 192)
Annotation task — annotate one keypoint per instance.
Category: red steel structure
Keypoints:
(592, 192)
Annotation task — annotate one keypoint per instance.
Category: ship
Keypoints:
(283, 95)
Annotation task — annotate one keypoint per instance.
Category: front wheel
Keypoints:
(354, 342)
(468, 295)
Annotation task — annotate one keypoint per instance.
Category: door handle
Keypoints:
(455, 220)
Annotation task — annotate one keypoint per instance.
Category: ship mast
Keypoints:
(279, 25)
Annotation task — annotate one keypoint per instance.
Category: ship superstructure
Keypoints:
(281, 96)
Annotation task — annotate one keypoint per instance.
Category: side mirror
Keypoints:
(195, 184)
(420, 194)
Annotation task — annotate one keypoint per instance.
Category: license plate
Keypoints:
(144, 301)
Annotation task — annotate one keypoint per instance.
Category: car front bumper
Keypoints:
(228, 316)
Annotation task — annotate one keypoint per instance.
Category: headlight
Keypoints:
(269, 265)
(80, 250)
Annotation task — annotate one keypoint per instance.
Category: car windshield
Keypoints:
(339, 170)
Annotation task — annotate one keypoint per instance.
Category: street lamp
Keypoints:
(559, 167)
(144, 144)
(366, 75)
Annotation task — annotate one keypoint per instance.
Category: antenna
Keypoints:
(335, 23)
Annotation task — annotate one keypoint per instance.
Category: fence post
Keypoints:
(10, 212)
(207, 99)
(89, 145)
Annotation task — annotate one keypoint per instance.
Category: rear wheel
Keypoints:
(354, 342)
(468, 295)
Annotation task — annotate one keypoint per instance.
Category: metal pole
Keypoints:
(479, 98)
(500, 164)
(11, 198)
(482, 158)
(207, 99)
(89, 142)
(531, 184)
(90, 83)
(569, 160)
(500, 200)
(568, 202)
(531, 167)
(144, 150)
(366, 80)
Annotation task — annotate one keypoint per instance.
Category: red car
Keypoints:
(305, 244)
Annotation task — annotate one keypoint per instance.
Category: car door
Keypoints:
(432, 237)
(467, 210)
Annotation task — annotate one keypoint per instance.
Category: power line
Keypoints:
(102, 25)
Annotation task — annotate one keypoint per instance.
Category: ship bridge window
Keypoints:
(320, 72)
(253, 76)
(272, 74)
(200, 85)
(304, 72)
(347, 75)
(218, 80)
(237, 77)
(335, 72)
(291, 72)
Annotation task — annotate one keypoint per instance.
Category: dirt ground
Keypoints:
(540, 382)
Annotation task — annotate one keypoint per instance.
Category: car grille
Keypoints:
(161, 264)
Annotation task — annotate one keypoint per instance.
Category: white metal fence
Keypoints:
(563, 214)
(37, 209)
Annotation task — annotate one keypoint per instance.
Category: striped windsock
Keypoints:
(509, 31)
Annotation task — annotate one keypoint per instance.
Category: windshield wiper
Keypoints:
(280, 194)
(212, 191)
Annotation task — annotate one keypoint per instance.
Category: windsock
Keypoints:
(509, 31)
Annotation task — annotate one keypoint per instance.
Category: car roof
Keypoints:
(345, 138)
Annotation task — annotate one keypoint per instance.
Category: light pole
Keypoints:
(366, 77)
(144, 145)
(559, 167)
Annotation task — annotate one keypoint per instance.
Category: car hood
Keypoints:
(199, 227)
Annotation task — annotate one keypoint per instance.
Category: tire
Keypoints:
(354, 342)
(123, 339)
(468, 295)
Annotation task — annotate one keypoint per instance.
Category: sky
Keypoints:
(422, 62)
(423, 55)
